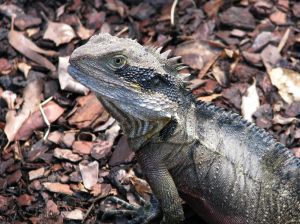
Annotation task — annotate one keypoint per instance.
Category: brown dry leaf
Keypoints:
(279, 18)
(250, 102)
(196, 54)
(89, 174)
(5, 66)
(35, 121)
(211, 8)
(66, 154)
(101, 149)
(58, 188)
(270, 57)
(25, 21)
(14, 120)
(112, 132)
(140, 185)
(11, 10)
(59, 33)
(24, 200)
(89, 110)
(278, 119)
(82, 147)
(35, 174)
(83, 32)
(220, 75)
(10, 98)
(297, 152)
(26, 47)
(76, 214)
(122, 153)
(23, 67)
(209, 98)
(55, 137)
(101, 189)
(238, 17)
(117, 6)
(288, 83)
(66, 81)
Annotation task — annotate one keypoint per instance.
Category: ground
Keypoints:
(62, 154)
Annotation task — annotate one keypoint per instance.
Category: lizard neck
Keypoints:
(180, 129)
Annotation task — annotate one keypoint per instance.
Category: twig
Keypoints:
(284, 40)
(173, 12)
(88, 212)
(45, 117)
(122, 31)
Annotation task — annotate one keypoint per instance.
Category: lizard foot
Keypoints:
(144, 214)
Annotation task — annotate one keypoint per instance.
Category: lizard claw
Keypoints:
(139, 215)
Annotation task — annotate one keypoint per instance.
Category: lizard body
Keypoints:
(227, 169)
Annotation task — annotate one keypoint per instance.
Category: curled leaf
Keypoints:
(26, 47)
(59, 33)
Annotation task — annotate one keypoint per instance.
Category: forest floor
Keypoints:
(62, 154)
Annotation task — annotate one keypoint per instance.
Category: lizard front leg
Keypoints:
(162, 185)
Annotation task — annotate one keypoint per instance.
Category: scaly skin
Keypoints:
(228, 170)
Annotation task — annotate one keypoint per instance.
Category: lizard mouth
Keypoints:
(89, 80)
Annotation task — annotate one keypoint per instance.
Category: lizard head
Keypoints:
(133, 80)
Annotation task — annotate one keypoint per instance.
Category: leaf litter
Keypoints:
(61, 159)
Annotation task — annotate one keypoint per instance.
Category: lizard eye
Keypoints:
(117, 62)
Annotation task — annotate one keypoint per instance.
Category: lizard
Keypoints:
(227, 169)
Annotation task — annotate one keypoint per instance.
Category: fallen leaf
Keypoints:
(14, 121)
(117, 6)
(288, 83)
(14, 178)
(238, 17)
(66, 81)
(220, 75)
(196, 53)
(36, 121)
(112, 133)
(270, 57)
(296, 9)
(66, 154)
(101, 149)
(278, 119)
(35, 174)
(297, 152)
(24, 200)
(250, 102)
(89, 174)
(279, 18)
(5, 66)
(82, 147)
(25, 68)
(101, 189)
(83, 32)
(55, 137)
(76, 214)
(68, 139)
(59, 33)
(140, 185)
(25, 21)
(209, 98)
(262, 39)
(88, 111)
(10, 98)
(52, 208)
(58, 188)
(211, 8)
(122, 153)
(26, 47)
(11, 10)
(4, 203)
